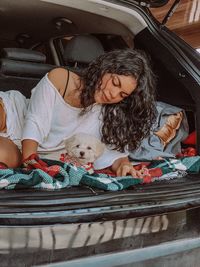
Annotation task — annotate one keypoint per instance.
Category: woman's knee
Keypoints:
(9, 153)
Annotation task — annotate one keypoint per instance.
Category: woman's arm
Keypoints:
(40, 110)
(29, 147)
(123, 167)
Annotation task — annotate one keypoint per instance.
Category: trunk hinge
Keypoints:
(170, 12)
(136, 2)
(141, 3)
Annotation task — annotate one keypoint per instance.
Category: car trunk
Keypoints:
(85, 204)
(178, 84)
(145, 225)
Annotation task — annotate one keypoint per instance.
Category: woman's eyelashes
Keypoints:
(123, 95)
(116, 81)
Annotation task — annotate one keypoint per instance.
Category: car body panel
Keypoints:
(143, 240)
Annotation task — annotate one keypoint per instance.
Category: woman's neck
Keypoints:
(73, 94)
(73, 98)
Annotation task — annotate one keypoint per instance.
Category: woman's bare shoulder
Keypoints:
(58, 77)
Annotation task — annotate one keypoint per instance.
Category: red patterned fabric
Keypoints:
(146, 174)
(34, 162)
(191, 139)
(146, 169)
(69, 159)
(187, 152)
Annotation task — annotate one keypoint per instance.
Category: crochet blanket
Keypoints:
(50, 174)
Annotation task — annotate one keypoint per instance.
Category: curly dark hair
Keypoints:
(127, 123)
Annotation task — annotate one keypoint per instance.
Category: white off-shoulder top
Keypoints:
(49, 120)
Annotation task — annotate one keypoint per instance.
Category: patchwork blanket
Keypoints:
(50, 174)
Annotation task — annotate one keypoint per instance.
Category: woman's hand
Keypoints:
(123, 167)
(29, 147)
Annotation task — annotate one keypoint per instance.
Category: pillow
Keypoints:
(168, 130)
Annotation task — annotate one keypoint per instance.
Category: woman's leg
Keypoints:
(9, 153)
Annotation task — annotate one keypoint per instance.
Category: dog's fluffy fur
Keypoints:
(84, 147)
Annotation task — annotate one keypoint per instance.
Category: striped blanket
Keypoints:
(50, 174)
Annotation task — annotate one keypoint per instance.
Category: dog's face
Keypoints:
(84, 147)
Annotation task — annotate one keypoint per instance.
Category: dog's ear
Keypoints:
(99, 148)
(69, 143)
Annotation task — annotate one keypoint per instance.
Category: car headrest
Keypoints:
(81, 50)
(21, 62)
(24, 69)
(22, 54)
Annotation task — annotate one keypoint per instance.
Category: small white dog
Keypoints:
(84, 148)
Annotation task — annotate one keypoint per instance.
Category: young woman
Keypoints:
(113, 100)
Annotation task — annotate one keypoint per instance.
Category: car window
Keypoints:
(62, 42)
(185, 21)
(45, 49)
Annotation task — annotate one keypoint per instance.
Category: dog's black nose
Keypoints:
(82, 153)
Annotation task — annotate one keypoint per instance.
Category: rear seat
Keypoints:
(80, 51)
(21, 69)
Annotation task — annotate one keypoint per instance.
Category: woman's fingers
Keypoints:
(119, 171)
(134, 173)
(127, 169)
